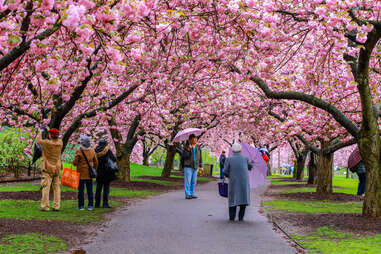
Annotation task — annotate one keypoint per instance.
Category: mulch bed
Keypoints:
(302, 223)
(70, 232)
(311, 196)
(35, 195)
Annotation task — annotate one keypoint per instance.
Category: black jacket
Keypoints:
(187, 158)
(104, 174)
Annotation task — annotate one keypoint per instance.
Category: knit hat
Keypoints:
(85, 141)
(54, 132)
(236, 148)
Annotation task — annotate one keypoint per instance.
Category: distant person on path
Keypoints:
(83, 169)
(222, 163)
(105, 174)
(361, 173)
(191, 162)
(51, 167)
(236, 169)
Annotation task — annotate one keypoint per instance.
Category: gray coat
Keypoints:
(236, 169)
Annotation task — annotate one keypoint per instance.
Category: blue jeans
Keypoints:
(81, 193)
(190, 180)
(222, 173)
(361, 187)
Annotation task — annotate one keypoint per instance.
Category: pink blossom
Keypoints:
(47, 4)
(74, 16)
(143, 10)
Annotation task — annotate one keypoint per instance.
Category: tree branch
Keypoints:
(310, 99)
(310, 146)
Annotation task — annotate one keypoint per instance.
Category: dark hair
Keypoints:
(191, 136)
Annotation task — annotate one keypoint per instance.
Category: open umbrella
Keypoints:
(184, 134)
(257, 175)
(354, 158)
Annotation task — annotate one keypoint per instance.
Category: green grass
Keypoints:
(141, 170)
(313, 189)
(347, 186)
(286, 183)
(278, 176)
(28, 187)
(31, 244)
(30, 210)
(326, 241)
(120, 192)
(313, 206)
(156, 181)
(115, 192)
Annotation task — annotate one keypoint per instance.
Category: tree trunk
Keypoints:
(269, 170)
(312, 169)
(169, 159)
(301, 162)
(146, 160)
(324, 173)
(124, 166)
(370, 149)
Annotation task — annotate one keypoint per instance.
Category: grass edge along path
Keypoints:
(30, 210)
(312, 206)
(327, 241)
(31, 243)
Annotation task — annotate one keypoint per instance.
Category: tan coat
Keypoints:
(51, 155)
(81, 164)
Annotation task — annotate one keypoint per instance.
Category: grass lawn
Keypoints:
(120, 192)
(286, 183)
(30, 210)
(326, 241)
(313, 206)
(31, 244)
(278, 176)
(347, 186)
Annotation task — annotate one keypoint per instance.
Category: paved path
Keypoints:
(169, 224)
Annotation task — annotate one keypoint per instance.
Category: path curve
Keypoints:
(169, 224)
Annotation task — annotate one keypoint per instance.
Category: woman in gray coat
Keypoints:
(236, 169)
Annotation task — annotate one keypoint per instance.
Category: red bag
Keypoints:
(70, 178)
(265, 158)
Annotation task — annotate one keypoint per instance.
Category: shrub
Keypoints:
(12, 156)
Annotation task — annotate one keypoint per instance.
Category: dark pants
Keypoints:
(233, 210)
(361, 187)
(222, 173)
(106, 191)
(81, 193)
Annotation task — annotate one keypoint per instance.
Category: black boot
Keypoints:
(241, 213)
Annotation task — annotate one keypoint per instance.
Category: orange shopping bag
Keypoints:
(70, 178)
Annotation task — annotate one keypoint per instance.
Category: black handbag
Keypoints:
(92, 170)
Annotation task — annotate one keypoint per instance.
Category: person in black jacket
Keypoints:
(191, 162)
(222, 162)
(105, 173)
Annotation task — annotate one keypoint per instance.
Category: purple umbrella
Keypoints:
(257, 175)
(184, 134)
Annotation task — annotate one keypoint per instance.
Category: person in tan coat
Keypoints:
(84, 174)
(51, 167)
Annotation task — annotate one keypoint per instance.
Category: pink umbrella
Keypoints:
(184, 134)
(257, 175)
